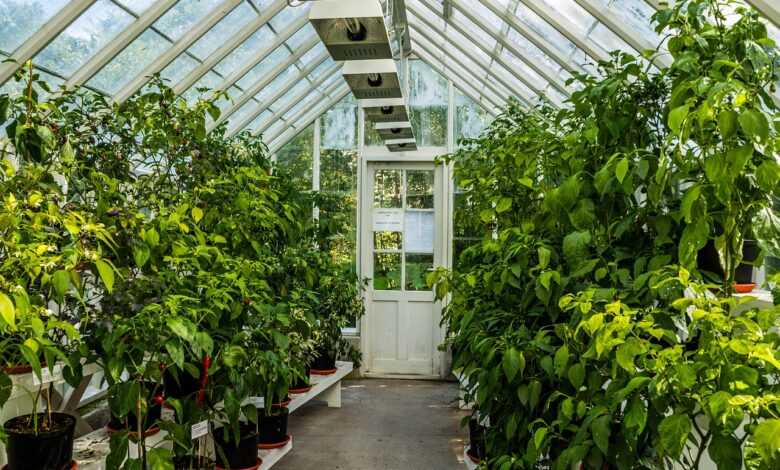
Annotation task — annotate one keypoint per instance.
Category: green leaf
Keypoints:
(181, 328)
(674, 431)
(621, 169)
(636, 415)
(61, 282)
(575, 246)
(737, 158)
(197, 214)
(577, 375)
(176, 352)
(766, 437)
(626, 352)
(544, 257)
(677, 117)
(512, 363)
(141, 254)
(727, 123)
(504, 205)
(160, 459)
(600, 428)
(726, 452)
(7, 311)
(106, 274)
(768, 175)
(6, 387)
(690, 197)
(539, 436)
(754, 124)
(534, 393)
(561, 360)
(694, 238)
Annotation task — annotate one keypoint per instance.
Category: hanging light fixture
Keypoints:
(385, 110)
(370, 79)
(401, 145)
(352, 29)
(394, 130)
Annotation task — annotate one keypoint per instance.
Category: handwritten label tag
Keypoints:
(199, 429)
(46, 377)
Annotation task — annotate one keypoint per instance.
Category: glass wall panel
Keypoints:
(428, 98)
(184, 16)
(130, 62)
(296, 156)
(470, 118)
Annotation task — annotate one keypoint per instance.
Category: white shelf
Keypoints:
(90, 451)
(272, 456)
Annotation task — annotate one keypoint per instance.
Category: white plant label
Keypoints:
(199, 429)
(257, 402)
(46, 377)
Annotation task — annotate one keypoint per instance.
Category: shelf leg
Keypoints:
(332, 395)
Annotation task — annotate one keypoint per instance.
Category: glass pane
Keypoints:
(470, 118)
(338, 170)
(339, 125)
(387, 271)
(387, 241)
(417, 268)
(184, 16)
(372, 136)
(387, 189)
(428, 100)
(222, 31)
(243, 53)
(19, 19)
(84, 37)
(419, 231)
(419, 189)
(296, 156)
(130, 62)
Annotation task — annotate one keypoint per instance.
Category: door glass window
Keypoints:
(403, 229)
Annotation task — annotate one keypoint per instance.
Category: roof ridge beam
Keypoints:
(180, 46)
(42, 37)
(225, 49)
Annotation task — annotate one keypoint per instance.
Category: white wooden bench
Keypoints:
(90, 451)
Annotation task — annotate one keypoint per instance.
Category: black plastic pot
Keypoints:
(186, 386)
(750, 252)
(708, 260)
(239, 455)
(273, 427)
(47, 450)
(191, 463)
(476, 440)
(302, 384)
(323, 360)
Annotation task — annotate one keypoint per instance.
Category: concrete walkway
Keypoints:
(382, 425)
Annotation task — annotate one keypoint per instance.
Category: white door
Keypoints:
(402, 235)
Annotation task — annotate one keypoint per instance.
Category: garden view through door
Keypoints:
(403, 241)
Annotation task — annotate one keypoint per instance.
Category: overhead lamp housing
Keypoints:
(394, 130)
(370, 79)
(352, 29)
(401, 145)
(385, 110)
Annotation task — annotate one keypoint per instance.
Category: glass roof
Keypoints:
(278, 76)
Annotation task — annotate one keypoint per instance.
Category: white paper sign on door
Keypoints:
(388, 220)
(418, 231)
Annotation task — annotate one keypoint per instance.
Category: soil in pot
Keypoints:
(236, 455)
(130, 422)
(273, 427)
(50, 449)
(476, 440)
(302, 385)
(180, 384)
(324, 362)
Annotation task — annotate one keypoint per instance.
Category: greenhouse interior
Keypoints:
(390, 234)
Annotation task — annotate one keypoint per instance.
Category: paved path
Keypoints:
(382, 425)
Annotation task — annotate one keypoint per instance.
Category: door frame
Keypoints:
(442, 201)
